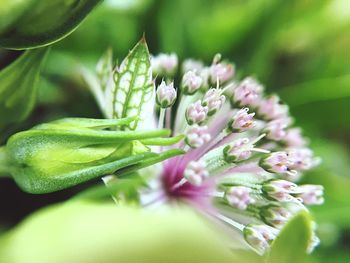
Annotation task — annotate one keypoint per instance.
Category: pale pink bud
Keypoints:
(197, 136)
(280, 186)
(196, 113)
(278, 162)
(192, 64)
(276, 129)
(196, 172)
(271, 108)
(239, 150)
(164, 64)
(311, 194)
(221, 72)
(275, 215)
(166, 94)
(294, 138)
(242, 121)
(303, 159)
(247, 93)
(239, 197)
(260, 236)
(214, 100)
(191, 82)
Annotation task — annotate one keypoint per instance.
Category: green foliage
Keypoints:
(292, 243)
(36, 23)
(19, 86)
(102, 233)
(67, 152)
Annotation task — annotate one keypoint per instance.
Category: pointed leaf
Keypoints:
(291, 244)
(133, 86)
(36, 23)
(18, 87)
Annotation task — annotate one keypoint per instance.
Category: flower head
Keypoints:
(242, 156)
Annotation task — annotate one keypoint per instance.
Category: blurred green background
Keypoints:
(300, 49)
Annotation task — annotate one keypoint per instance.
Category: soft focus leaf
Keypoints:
(291, 244)
(102, 233)
(18, 87)
(40, 23)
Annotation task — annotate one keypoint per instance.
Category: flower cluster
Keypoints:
(243, 156)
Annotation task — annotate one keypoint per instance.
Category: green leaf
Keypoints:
(34, 23)
(291, 244)
(133, 89)
(18, 87)
(88, 232)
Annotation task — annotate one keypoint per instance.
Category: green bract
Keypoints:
(64, 153)
(126, 91)
(31, 23)
(18, 87)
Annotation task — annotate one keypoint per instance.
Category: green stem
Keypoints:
(4, 164)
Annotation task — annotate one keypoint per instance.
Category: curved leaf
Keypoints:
(291, 244)
(18, 87)
(34, 23)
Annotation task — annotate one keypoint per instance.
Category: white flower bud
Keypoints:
(197, 136)
(196, 113)
(196, 172)
(166, 94)
(191, 82)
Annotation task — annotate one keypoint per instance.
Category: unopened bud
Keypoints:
(166, 94)
(196, 172)
(214, 100)
(241, 121)
(191, 82)
(196, 113)
(197, 136)
(239, 197)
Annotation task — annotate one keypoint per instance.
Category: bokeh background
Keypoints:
(299, 49)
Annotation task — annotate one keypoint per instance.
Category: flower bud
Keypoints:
(311, 194)
(271, 108)
(239, 197)
(247, 93)
(164, 64)
(64, 153)
(260, 236)
(239, 150)
(303, 159)
(166, 95)
(276, 216)
(196, 172)
(213, 100)
(196, 113)
(197, 136)
(294, 138)
(191, 82)
(221, 72)
(241, 121)
(192, 65)
(278, 162)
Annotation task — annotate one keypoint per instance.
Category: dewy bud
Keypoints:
(166, 94)
(191, 82)
(67, 152)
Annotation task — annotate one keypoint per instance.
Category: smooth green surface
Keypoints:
(103, 233)
(34, 23)
(291, 244)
